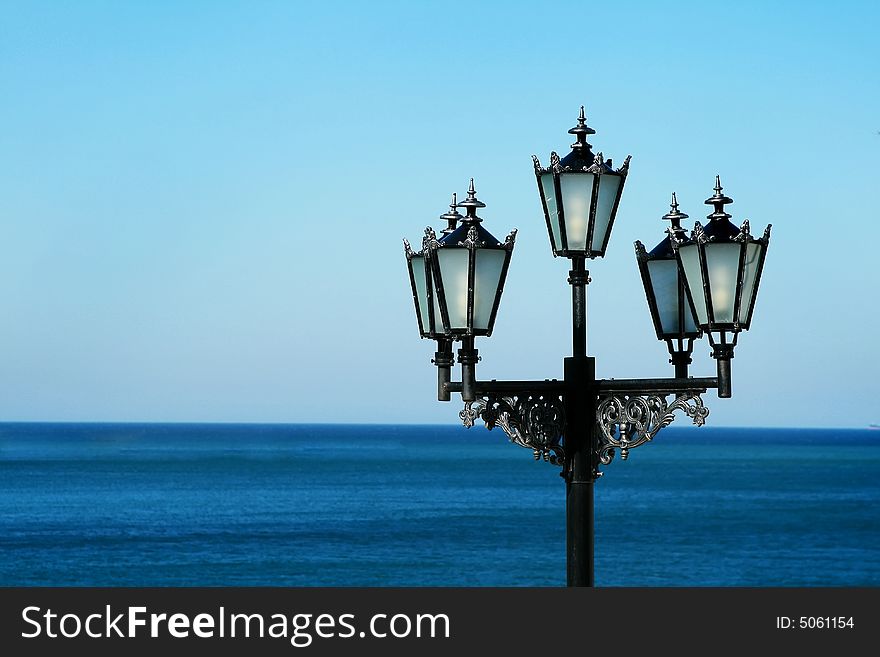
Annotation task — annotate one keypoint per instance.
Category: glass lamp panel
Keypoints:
(417, 263)
(608, 188)
(690, 263)
(453, 263)
(548, 190)
(437, 327)
(750, 275)
(487, 277)
(577, 196)
(722, 264)
(690, 325)
(664, 281)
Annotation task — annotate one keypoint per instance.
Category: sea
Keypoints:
(401, 505)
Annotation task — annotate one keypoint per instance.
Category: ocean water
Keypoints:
(370, 505)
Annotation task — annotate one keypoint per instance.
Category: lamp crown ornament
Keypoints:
(471, 203)
(472, 241)
(452, 217)
(580, 131)
(699, 235)
(429, 241)
(581, 156)
(718, 201)
(674, 216)
(745, 232)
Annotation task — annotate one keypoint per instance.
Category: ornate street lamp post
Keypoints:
(707, 282)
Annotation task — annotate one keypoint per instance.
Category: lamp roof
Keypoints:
(470, 231)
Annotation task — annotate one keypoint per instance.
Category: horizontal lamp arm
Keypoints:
(511, 387)
(649, 386)
(692, 384)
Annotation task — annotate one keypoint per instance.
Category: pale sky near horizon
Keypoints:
(202, 203)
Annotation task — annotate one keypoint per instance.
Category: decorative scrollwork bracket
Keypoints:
(532, 421)
(627, 421)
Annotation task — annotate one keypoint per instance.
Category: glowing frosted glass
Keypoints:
(577, 196)
(608, 187)
(690, 325)
(722, 264)
(487, 274)
(418, 269)
(690, 262)
(549, 192)
(664, 281)
(453, 264)
(750, 275)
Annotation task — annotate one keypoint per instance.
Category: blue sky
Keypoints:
(202, 203)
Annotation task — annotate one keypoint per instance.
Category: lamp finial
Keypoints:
(471, 203)
(674, 216)
(580, 131)
(452, 217)
(718, 201)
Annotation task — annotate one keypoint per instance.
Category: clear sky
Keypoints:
(202, 203)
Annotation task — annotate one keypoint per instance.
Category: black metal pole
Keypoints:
(722, 353)
(724, 387)
(444, 361)
(467, 357)
(580, 413)
(680, 360)
(580, 436)
(578, 278)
